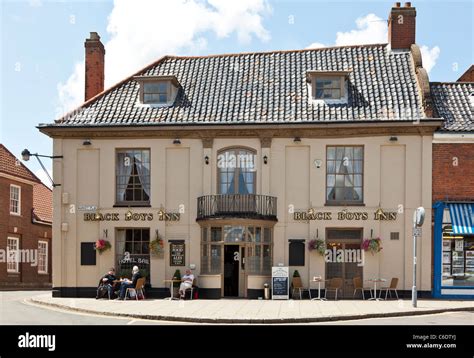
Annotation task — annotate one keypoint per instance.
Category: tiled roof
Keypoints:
(9, 164)
(266, 87)
(455, 103)
(42, 203)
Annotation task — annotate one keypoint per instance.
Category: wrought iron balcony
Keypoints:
(249, 206)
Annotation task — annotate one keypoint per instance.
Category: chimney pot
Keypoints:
(401, 26)
(94, 63)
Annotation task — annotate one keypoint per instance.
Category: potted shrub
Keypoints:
(176, 276)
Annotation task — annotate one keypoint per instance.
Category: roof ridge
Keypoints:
(235, 54)
(2, 146)
(452, 83)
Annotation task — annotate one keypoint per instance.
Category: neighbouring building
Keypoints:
(236, 163)
(25, 226)
(453, 188)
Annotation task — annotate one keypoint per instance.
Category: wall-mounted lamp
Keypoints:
(26, 154)
(206, 159)
(265, 159)
(318, 163)
(393, 139)
(87, 142)
(177, 141)
(297, 140)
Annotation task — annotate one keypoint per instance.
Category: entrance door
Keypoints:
(231, 270)
(346, 258)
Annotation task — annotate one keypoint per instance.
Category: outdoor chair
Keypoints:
(392, 287)
(298, 287)
(139, 288)
(359, 286)
(190, 289)
(335, 284)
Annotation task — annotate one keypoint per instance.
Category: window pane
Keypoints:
(216, 234)
(348, 181)
(340, 194)
(331, 153)
(358, 152)
(331, 166)
(339, 180)
(358, 180)
(358, 166)
(331, 181)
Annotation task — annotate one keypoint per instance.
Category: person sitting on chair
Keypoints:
(107, 281)
(129, 284)
(187, 282)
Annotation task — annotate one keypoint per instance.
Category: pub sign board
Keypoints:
(280, 284)
(177, 253)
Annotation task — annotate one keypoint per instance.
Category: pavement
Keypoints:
(251, 311)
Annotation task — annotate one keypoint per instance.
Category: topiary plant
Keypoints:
(296, 274)
(176, 276)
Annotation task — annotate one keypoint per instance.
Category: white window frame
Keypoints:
(18, 213)
(16, 263)
(45, 271)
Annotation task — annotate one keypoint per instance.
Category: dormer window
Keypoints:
(157, 90)
(328, 86)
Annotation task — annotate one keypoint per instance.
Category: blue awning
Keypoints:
(462, 218)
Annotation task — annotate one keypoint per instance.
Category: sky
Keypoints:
(42, 44)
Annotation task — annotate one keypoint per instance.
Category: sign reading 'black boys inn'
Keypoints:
(312, 214)
(177, 253)
(130, 216)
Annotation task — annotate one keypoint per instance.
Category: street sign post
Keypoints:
(418, 219)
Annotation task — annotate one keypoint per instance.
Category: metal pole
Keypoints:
(413, 291)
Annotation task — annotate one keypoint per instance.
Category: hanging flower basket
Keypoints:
(317, 244)
(102, 245)
(157, 246)
(372, 245)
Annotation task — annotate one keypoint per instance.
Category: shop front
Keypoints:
(454, 250)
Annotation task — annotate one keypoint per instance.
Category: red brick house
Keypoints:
(25, 226)
(453, 188)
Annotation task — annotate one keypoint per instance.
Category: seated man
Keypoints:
(129, 284)
(107, 281)
(187, 282)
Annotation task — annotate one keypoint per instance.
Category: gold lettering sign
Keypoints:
(130, 216)
(312, 214)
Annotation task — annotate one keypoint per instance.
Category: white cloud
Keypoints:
(44, 178)
(371, 29)
(316, 45)
(142, 31)
(429, 57)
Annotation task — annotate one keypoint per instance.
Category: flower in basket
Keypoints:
(102, 245)
(157, 246)
(372, 245)
(317, 244)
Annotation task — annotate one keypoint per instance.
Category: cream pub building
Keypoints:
(236, 162)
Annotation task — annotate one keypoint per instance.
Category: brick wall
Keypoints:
(467, 76)
(29, 234)
(450, 181)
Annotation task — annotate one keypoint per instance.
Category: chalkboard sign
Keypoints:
(177, 253)
(280, 286)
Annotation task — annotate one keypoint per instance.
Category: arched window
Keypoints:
(236, 171)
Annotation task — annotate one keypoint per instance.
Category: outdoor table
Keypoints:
(375, 280)
(171, 289)
(318, 280)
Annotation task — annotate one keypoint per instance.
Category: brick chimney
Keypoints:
(401, 26)
(95, 53)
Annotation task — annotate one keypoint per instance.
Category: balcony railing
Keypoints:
(250, 206)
